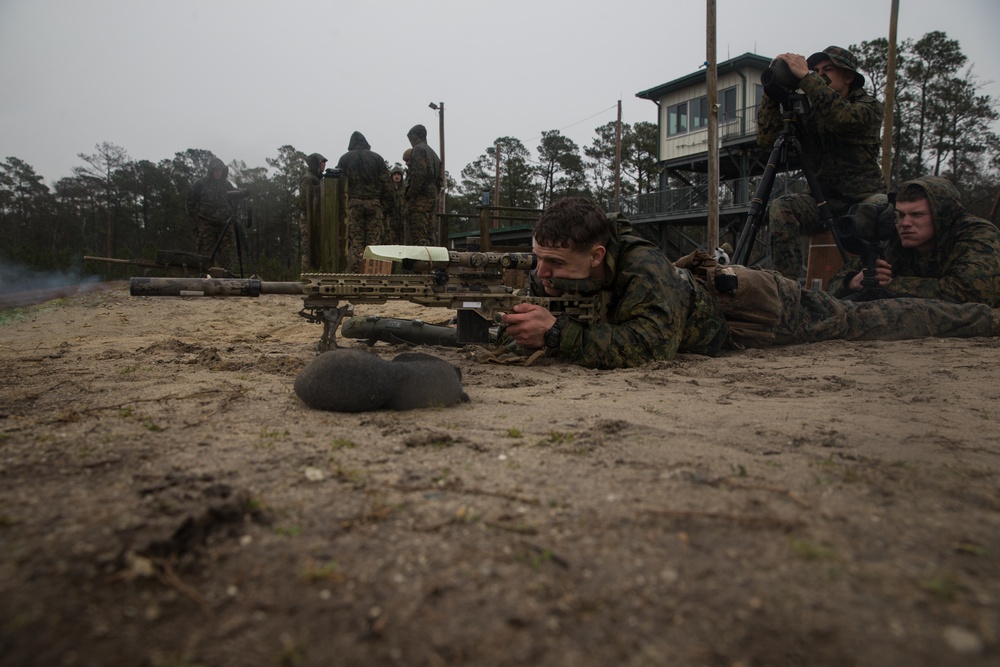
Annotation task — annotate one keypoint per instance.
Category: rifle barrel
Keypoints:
(115, 260)
(251, 287)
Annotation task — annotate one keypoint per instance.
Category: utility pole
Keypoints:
(890, 97)
(443, 185)
(496, 196)
(713, 135)
(618, 159)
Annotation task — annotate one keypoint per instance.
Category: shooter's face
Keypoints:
(915, 225)
(567, 263)
(840, 79)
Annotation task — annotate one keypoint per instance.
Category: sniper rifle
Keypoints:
(467, 282)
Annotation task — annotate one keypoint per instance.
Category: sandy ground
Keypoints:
(165, 499)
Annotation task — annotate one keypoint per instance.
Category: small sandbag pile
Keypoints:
(345, 380)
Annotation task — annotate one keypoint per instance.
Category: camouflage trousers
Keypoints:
(394, 227)
(207, 234)
(789, 218)
(421, 222)
(394, 220)
(812, 316)
(305, 245)
(365, 227)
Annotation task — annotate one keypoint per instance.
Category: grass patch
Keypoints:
(558, 437)
(970, 549)
(288, 531)
(342, 443)
(945, 586)
(353, 476)
(810, 551)
(326, 572)
(12, 315)
(149, 425)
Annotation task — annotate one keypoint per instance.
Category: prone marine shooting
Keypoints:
(592, 292)
(597, 296)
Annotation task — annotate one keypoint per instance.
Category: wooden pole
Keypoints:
(618, 159)
(713, 135)
(443, 186)
(444, 174)
(890, 97)
(496, 196)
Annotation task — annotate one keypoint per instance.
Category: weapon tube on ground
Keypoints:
(392, 330)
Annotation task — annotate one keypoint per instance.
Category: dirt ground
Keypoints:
(165, 499)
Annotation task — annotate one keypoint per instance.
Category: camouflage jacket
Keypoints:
(366, 172)
(309, 186)
(652, 311)
(423, 174)
(208, 199)
(963, 266)
(840, 138)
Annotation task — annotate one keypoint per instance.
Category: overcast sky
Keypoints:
(242, 77)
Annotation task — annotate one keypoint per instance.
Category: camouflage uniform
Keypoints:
(840, 140)
(423, 181)
(368, 191)
(309, 206)
(210, 206)
(655, 310)
(396, 228)
(963, 266)
(813, 316)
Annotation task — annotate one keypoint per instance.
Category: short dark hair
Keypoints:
(573, 222)
(911, 192)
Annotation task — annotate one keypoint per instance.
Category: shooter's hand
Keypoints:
(796, 63)
(883, 275)
(527, 325)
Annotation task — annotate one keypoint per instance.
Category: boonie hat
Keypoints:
(841, 58)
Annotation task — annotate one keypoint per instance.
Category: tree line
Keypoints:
(114, 206)
(942, 123)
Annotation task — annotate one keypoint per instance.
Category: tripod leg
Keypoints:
(239, 247)
(218, 243)
(758, 204)
(243, 249)
(826, 217)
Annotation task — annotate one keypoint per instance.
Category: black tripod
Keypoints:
(795, 104)
(235, 222)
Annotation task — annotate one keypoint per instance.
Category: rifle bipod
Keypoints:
(321, 311)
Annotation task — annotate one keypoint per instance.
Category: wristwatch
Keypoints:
(553, 336)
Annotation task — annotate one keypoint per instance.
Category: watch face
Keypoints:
(552, 336)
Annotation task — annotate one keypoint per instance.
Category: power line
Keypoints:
(583, 120)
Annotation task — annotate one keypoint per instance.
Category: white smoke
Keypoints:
(19, 278)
